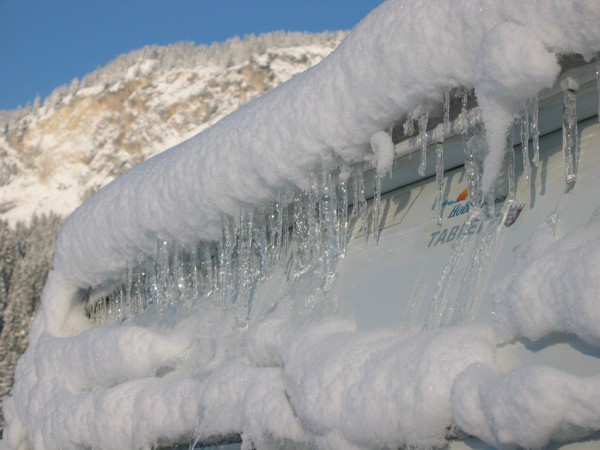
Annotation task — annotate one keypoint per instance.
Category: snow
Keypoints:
(293, 369)
(565, 292)
(178, 195)
(527, 407)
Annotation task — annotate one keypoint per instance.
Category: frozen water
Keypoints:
(248, 348)
(376, 205)
(570, 133)
(439, 134)
(525, 145)
(423, 119)
(535, 131)
(446, 112)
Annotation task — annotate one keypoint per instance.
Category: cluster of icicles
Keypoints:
(308, 228)
(308, 231)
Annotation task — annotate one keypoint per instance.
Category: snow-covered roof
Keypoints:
(398, 60)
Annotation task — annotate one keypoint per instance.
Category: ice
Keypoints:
(598, 86)
(409, 126)
(439, 134)
(376, 206)
(328, 223)
(535, 131)
(475, 147)
(510, 165)
(342, 217)
(280, 366)
(360, 202)
(226, 258)
(446, 113)
(524, 119)
(570, 132)
(423, 119)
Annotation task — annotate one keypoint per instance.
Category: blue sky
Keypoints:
(47, 43)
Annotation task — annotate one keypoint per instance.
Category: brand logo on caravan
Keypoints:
(461, 207)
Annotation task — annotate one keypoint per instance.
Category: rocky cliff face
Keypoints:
(56, 153)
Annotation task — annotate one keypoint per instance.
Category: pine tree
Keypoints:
(25, 260)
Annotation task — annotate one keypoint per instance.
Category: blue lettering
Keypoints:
(453, 233)
(433, 235)
(459, 210)
(442, 237)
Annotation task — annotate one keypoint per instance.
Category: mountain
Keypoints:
(56, 153)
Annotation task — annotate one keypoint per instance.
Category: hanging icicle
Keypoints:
(525, 145)
(226, 258)
(510, 165)
(376, 206)
(361, 202)
(438, 134)
(463, 117)
(598, 85)
(328, 226)
(423, 119)
(570, 131)
(446, 107)
(408, 126)
(245, 275)
(535, 131)
(342, 217)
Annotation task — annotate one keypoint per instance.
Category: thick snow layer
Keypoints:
(289, 377)
(404, 55)
(555, 288)
(527, 407)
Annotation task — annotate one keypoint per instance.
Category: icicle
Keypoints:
(354, 212)
(460, 285)
(423, 119)
(525, 146)
(245, 254)
(535, 131)
(179, 291)
(447, 126)
(162, 274)
(409, 126)
(314, 225)
(301, 233)
(570, 132)
(376, 206)
(285, 229)
(598, 86)
(342, 217)
(225, 258)
(510, 165)
(328, 223)
(278, 252)
(463, 117)
(272, 237)
(361, 202)
(439, 133)
(473, 145)
(244, 271)
(195, 273)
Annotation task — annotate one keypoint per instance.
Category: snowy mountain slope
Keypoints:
(56, 153)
